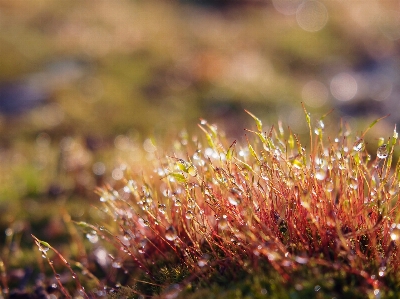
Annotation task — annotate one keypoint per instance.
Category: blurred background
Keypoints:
(86, 87)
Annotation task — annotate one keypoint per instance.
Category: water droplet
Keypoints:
(116, 264)
(305, 204)
(233, 201)
(170, 233)
(358, 145)
(9, 232)
(44, 249)
(172, 291)
(319, 127)
(57, 276)
(272, 256)
(329, 186)
(301, 260)
(320, 175)
(192, 170)
(203, 260)
(223, 223)
(353, 184)
(297, 164)
(237, 196)
(127, 236)
(395, 232)
(162, 208)
(196, 155)
(191, 203)
(92, 236)
(178, 202)
(145, 222)
(189, 214)
(382, 152)
(382, 271)
(317, 288)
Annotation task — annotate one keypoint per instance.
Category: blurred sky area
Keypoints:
(102, 68)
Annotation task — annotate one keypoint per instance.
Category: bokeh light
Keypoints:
(287, 7)
(312, 16)
(315, 93)
(389, 24)
(344, 86)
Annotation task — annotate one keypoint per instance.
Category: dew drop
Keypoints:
(320, 175)
(44, 249)
(189, 214)
(359, 145)
(329, 186)
(237, 197)
(116, 264)
(127, 237)
(223, 223)
(145, 222)
(162, 208)
(305, 204)
(9, 232)
(192, 170)
(395, 232)
(382, 271)
(196, 155)
(191, 203)
(203, 260)
(382, 152)
(301, 260)
(92, 236)
(170, 233)
(353, 184)
(233, 201)
(272, 256)
(319, 127)
(172, 291)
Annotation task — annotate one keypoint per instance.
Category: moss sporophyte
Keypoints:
(216, 212)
